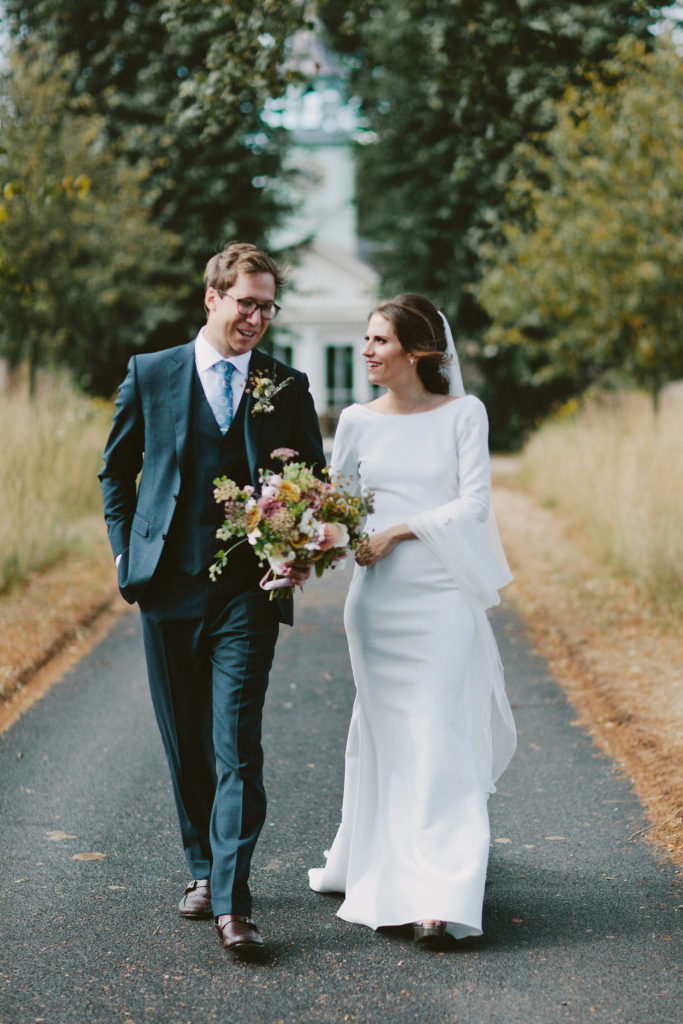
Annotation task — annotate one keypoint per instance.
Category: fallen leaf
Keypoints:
(56, 836)
(89, 856)
(558, 838)
(502, 840)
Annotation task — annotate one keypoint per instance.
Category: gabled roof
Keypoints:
(328, 285)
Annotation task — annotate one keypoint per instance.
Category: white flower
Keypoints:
(271, 489)
(308, 525)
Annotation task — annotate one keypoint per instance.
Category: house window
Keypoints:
(339, 376)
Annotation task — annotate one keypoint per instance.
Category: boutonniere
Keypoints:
(264, 391)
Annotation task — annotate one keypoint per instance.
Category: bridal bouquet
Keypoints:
(296, 518)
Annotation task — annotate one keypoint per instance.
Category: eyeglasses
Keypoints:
(247, 306)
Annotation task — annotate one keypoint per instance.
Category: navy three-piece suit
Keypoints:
(209, 646)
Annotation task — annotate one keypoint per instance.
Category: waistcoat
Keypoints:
(192, 544)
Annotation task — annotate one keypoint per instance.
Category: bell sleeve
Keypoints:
(463, 533)
(344, 461)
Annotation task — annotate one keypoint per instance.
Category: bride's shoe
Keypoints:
(428, 933)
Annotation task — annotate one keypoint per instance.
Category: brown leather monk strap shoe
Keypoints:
(196, 901)
(239, 934)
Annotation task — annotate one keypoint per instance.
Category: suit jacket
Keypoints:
(150, 432)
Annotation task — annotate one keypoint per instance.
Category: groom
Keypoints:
(184, 416)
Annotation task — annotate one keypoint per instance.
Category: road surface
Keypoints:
(582, 916)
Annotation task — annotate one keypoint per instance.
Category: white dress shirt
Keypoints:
(206, 356)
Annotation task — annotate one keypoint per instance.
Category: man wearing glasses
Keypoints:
(185, 416)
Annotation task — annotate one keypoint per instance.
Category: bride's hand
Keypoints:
(379, 545)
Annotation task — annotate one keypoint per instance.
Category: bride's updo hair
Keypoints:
(420, 330)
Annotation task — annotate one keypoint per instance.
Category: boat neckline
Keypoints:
(406, 415)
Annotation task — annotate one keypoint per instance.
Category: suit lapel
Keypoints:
(180, 372)
(252, 424)
(180, 375)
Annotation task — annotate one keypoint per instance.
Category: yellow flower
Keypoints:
(253, 518)
(289, 491)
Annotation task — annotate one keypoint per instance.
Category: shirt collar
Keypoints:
(205, 356)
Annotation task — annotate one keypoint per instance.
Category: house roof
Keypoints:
(328, 284)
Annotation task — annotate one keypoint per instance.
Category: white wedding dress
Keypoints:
(431, 728)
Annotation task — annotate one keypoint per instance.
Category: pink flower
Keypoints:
(333, 535)
(313, 500)
(269, 503)
(284, 454)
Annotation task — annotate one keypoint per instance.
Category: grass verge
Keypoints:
(614, 469)
(49, 459)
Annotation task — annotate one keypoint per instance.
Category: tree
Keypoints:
(448, 91)
(591, 280)
(75, 238)
(180, 84)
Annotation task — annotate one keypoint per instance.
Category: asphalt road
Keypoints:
(582, 918)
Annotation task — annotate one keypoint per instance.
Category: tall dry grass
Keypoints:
(615, 469)
(50, 454)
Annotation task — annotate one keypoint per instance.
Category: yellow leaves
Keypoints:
(82, 185)
(78, 185)
(648, 270)
(58, 836)
(514, 336)
(4, 214)
(647, 351)
(9, 190)
(567, 409)
(600, 233)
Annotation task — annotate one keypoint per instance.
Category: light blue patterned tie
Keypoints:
(221, 397)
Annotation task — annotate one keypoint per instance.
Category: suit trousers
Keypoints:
(209, 649)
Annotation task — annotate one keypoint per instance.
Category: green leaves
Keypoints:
(590, 284)
(177, 87)
(64, 198)
(449, 90)
(244, 61)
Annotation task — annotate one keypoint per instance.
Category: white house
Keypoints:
(323, 322)
(330, 290)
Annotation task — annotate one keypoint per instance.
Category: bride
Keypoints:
(431, 728)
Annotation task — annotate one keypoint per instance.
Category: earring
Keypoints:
(412, 361)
